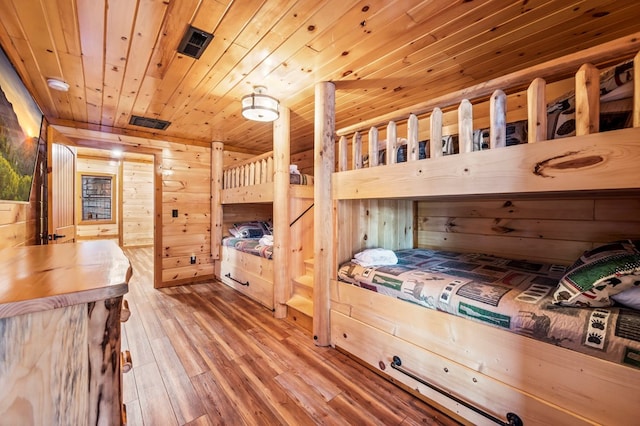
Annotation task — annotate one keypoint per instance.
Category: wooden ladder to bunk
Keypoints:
(300, 305)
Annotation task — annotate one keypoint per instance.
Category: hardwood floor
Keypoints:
(204, 354)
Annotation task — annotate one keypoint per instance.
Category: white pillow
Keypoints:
(629, 297)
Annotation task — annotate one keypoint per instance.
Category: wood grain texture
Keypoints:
(38, 278)
(44, 369)
(593, 162)
(217, 357)
(104, 375)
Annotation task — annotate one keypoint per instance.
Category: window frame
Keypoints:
(80, 179)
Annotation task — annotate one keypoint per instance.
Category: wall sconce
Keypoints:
(260, 107)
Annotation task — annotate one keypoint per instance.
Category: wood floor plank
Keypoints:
(308, 398)
(152, 396)
(219, 408)
(184, 400)
(204, 354)
(189, 357)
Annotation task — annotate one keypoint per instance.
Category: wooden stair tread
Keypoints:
(305, 280)
(301, 304)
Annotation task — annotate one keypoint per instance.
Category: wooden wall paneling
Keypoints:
(13, 224)
(137, 203)
(552, 230)
(179, 167)
(236, 213)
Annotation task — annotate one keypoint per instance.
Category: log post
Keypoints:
(636, 90)
(465, 126)
(413, 148)
(498, 115)
(281, 231)
(324, 215)
(587, 100)
(537, 111)
(217, 159)
(435, 139)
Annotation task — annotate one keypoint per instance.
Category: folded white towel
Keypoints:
(266, 240)
(375, 257)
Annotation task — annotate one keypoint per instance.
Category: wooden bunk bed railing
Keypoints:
(425, 121)
(253, 171)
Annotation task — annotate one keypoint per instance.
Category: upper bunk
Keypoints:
(253, 181)
(589, 161)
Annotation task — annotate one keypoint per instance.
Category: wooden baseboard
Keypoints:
(186, 281)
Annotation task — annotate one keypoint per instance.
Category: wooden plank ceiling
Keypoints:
(120, 57)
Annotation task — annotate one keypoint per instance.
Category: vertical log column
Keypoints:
(217, 160)
(324, 219)
(281, 232)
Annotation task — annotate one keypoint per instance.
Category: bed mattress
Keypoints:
(510, 294)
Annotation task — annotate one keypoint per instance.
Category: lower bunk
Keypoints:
(247, 273)
(246, 260)
(481, 373)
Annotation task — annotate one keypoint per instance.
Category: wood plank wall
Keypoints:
(553, 230)
(137, 203)
(13, 224)
(186, 188)
(374, 223)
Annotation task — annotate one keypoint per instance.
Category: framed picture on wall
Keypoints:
(20, 124)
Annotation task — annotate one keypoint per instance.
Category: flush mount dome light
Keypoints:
(260, 107)
(57, 84)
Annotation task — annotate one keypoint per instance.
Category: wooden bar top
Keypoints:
(38, 278)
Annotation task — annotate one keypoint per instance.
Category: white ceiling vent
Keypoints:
(194, 42)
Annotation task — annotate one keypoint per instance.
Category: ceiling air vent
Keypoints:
(151, 123)
(194, 42)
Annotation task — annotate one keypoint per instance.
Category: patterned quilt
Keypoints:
(249, 245)
(510, 294)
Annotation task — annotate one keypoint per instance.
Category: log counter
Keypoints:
(60, 309)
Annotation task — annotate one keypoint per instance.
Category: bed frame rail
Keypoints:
(512, 418)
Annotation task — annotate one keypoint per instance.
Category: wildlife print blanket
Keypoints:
(510, 294)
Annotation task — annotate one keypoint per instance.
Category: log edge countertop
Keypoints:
(39, 278)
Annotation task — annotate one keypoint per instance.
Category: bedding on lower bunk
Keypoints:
(253, 237)
(514, 295)
(249, 245)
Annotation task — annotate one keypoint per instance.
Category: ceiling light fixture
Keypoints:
(57, 84)
(260, 107)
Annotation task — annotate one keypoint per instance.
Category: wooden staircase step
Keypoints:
(304, 280)
(300, 312)
(301, 304)
(309, 265)
(303, 286)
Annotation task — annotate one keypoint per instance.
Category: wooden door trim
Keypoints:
(157, 190)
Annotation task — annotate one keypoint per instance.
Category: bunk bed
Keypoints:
(511, 211)
(256, 206)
